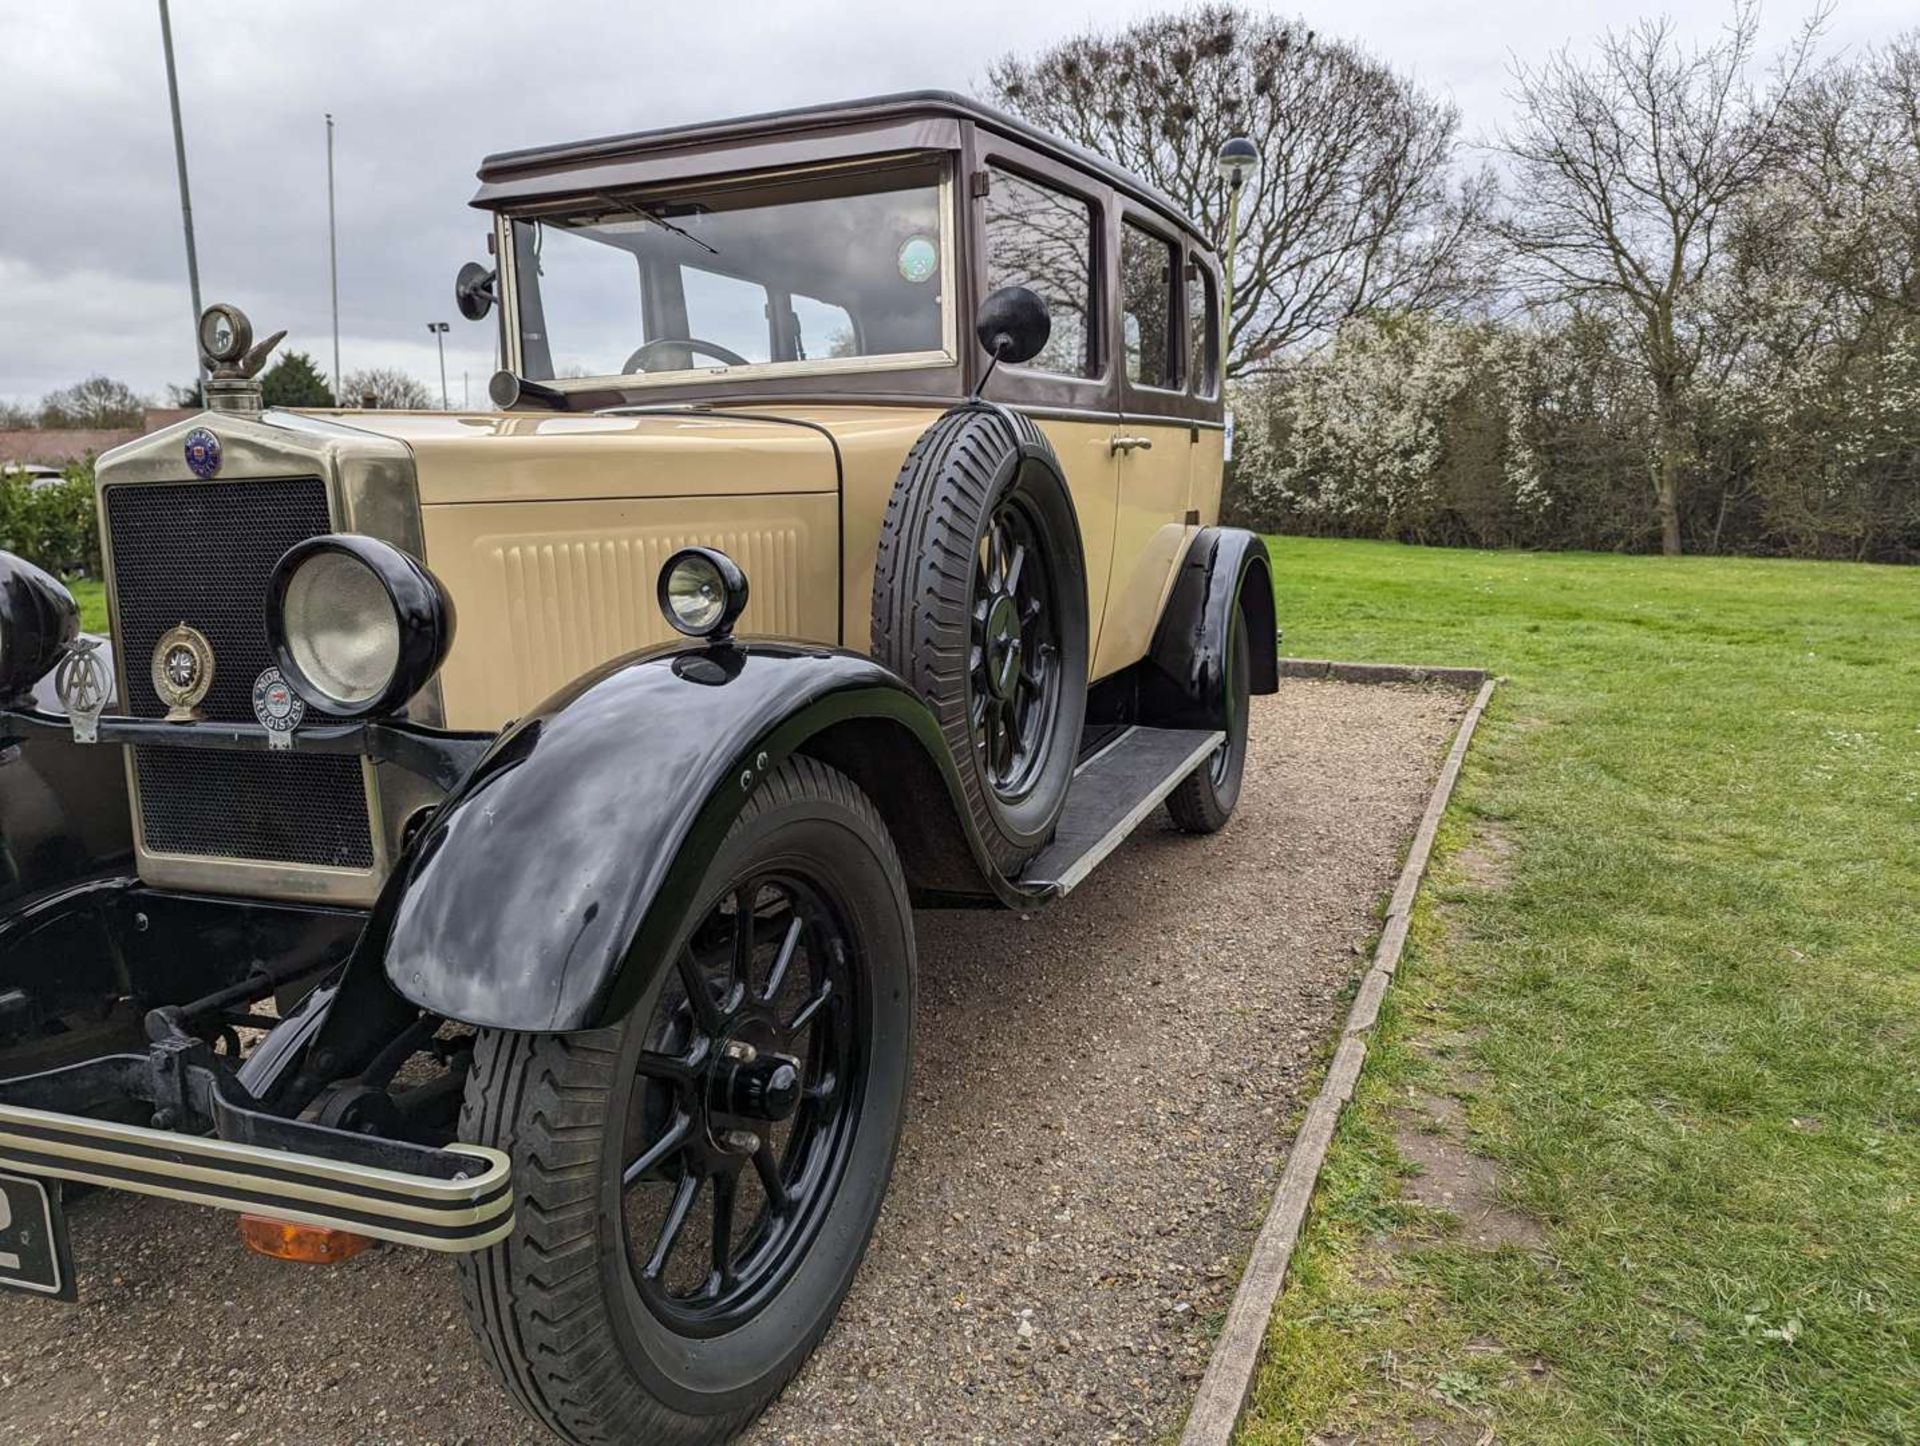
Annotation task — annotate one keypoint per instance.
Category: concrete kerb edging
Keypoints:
(1236, 1354)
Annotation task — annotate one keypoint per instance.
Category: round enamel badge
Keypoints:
(278, 708)
(203, 452)
(182, 671)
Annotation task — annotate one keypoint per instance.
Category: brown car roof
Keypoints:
(509, 166)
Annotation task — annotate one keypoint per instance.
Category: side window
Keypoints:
(822, 329)
(590, 302)
(1203, 326)
(1149, 308)
(1039, 238)
(727, 312)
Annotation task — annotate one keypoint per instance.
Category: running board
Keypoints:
(1113, 792)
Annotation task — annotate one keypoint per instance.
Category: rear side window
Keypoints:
(1041, 238)
(1203, 326)
(1149, 308)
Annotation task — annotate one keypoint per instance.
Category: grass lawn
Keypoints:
(92, 597)
(1669, 960)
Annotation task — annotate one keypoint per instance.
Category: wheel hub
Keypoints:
(1003, 647)
(753, 1084)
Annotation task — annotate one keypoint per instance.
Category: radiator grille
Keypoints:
(201, 553)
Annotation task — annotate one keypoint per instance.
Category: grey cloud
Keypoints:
(92, 273)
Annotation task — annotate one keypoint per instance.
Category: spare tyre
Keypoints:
(980, 602)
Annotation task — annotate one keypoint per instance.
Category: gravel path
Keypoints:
(1102, 1097)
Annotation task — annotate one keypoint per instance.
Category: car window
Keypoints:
(589, 302)
(1149, 307)
(1040, 238)
(727, 312)
(1203, 326)
(822, 329)
(843, 264)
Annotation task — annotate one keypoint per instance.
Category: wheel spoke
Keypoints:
(777, 975)
(674, 1068)
(744, 899)
(674, 1136)
(812, 1007)
(723, 1191)
(700, 993)
(677, 1213)
(1013, 567)
(769, 1167)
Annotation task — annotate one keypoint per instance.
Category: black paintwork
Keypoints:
(540, 164)
(421, 605)
(1182, 682)
(76, 952)
(38, 618)
(543, 892)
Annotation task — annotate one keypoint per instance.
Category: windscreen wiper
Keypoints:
(654, 216)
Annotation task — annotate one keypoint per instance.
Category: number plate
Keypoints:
(34, 1254)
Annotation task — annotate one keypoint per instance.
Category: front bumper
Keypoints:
(452, 1200)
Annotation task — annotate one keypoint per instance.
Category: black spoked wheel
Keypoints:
(695, 1186)
(1014, 663)
(1206, 798)
(750, 1085)
(980, 602)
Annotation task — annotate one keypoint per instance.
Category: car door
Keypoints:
(1156, 439)
(1043, 226)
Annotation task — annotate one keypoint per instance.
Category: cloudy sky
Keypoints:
(92, 266)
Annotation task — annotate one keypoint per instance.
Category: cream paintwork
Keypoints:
(1150, 538)
(543, 457)
(561, 578)
(546, 591)
(874, 441)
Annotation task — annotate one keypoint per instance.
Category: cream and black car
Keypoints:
(499, 832)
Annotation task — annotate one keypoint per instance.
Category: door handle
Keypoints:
(1117, 445)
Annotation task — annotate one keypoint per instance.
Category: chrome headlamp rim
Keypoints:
(423, 614)
(733, 583)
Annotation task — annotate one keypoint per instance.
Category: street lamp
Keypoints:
(1239, 158)
(439, 330)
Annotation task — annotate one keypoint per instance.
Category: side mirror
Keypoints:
(1013, 325)
(473, 291)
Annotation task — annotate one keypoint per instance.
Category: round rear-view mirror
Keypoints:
(473, 291)
(1013, 325)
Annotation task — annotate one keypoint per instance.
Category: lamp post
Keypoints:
(186, 199)
(333, 264)
(439, 330)
(1239, 158)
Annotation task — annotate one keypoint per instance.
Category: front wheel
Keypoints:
(698, 1183)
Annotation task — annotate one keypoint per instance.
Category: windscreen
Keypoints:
(827, 267)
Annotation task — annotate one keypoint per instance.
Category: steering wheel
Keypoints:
(638, 361)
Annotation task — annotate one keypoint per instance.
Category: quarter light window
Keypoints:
(1203, 326)
(1149, 308)
(1039, 238)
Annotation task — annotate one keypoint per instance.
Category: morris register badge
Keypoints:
(278, 708)
(182, 671)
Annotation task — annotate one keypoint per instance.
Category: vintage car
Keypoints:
(844, 543)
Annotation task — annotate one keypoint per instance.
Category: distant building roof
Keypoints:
(57, 446)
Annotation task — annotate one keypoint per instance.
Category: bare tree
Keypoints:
(1627, 167)
(386, 388)
(96, 402)
(1354, 208)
